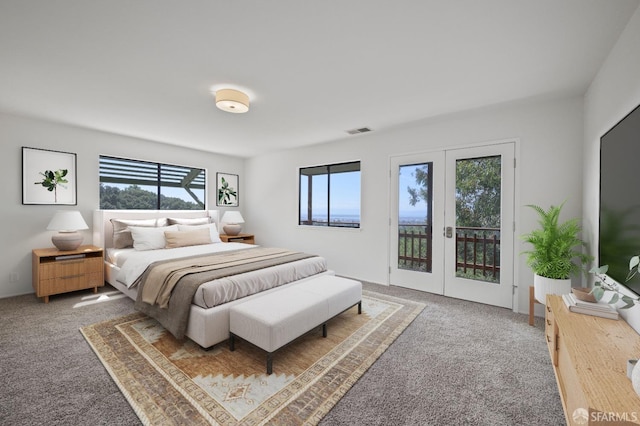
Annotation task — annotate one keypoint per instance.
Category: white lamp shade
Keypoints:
(232, 216)
(231, 100)
(67, 221)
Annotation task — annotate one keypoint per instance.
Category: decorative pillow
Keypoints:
(213, 230)
(146, 238)
(193, 237)
(121, 234)
(188, 221)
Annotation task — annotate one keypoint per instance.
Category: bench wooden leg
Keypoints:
(232, 343)
(359, 307)
(324, 330)
(270, 363)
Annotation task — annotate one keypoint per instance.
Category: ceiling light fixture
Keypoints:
(231, 100)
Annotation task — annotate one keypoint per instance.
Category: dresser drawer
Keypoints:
(551, 334)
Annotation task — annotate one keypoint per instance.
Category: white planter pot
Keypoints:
(635, 378)
(543, 286)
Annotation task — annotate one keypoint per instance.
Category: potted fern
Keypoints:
(556, 254)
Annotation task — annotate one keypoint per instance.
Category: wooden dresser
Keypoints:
(589, 356)
(56, 271)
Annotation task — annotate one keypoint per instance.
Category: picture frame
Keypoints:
(227, 192)
(49, 177)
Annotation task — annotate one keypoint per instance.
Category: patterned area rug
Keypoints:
(167, 381)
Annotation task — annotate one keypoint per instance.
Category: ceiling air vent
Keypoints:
(360, 130)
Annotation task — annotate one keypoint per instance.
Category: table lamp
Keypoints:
(67, 223)
(231, 222)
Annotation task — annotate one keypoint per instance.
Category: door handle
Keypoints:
(448, 232)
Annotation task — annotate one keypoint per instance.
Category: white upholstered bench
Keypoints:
(274, 320)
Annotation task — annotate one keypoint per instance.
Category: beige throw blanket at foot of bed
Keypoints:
(166, 288)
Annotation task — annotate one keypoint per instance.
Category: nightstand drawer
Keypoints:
(62, 284)
(94, 265)
(69, 268)
(95, 279)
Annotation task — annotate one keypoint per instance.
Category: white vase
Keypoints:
(543, 286)
(635, 378)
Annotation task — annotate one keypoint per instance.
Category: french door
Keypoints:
(451, 223)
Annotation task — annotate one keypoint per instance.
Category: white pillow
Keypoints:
(215, 235)
(150, 238)
(189, 221)
(121, 234)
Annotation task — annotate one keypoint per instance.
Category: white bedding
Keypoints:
(223, 290)
(207, 325)
(117, 256)
(133, 263)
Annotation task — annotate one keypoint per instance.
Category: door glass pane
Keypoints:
(344, 199)
(415, 200)
(478, 186)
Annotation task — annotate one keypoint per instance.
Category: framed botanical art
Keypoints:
(48, 177)
(227, 190)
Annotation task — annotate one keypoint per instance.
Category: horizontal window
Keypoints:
(330, 195)
(142, 185)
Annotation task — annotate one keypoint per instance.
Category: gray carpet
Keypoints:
(457, 363)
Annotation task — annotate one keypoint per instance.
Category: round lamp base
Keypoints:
(232, 229)
(66, 241)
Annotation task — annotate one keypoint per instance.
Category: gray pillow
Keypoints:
(122, 236)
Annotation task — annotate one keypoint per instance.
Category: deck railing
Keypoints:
(478, 251)
(414, 247)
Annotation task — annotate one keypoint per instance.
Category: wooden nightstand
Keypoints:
(56, 271)
(240, 238)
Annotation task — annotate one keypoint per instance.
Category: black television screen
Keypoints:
(620, 198)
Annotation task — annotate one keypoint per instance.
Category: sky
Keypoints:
(407, 179)
(345, 199)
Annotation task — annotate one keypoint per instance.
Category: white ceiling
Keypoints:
(145, 68)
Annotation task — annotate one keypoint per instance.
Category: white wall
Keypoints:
(24, 225)
(550, 171)
(613, 94)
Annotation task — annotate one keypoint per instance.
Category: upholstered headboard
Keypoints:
(103, 229)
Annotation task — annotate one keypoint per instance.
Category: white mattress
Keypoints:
(234, 287)
(118, 256)
(132, 263)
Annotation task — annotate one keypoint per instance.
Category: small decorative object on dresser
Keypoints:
(635, 378)
(232, 222)
(56, 271)
(583, 293)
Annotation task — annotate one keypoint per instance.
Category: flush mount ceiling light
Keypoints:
(231, 100)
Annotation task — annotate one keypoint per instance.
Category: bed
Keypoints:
(207, 320)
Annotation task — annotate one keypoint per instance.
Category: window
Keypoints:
(141, 185)
(330, 195)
